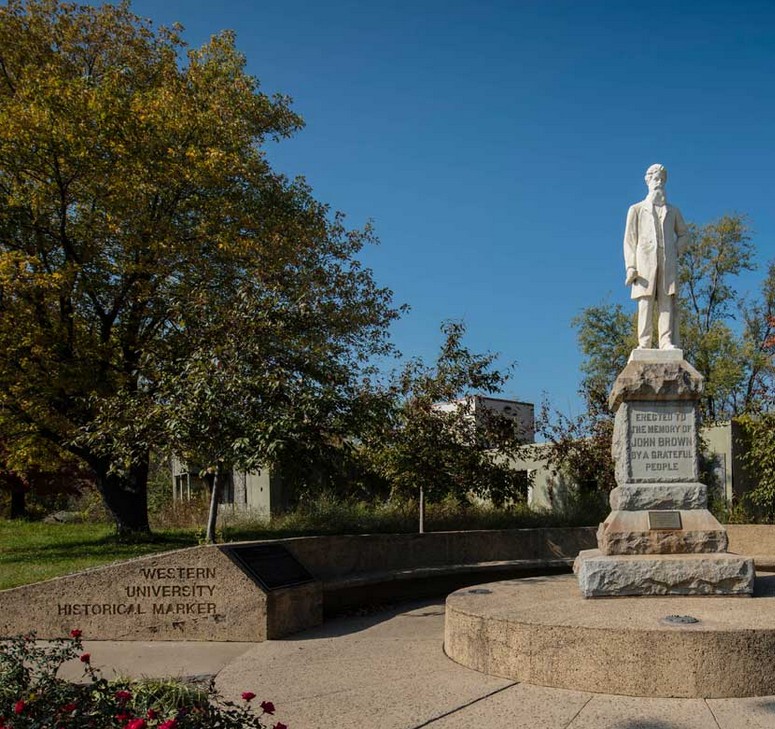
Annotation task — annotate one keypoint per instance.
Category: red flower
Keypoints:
(280, 725)
(152, 713)
(135, 724)
(86, 658)
(18, 707)
(169, 724)
(76, 633)
(123, 695)
(268, 707)
(248, 695)
(123, 716)
(67, 708)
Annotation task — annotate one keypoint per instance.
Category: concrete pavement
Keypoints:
(387, 670)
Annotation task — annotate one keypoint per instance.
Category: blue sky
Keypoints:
(497, 145)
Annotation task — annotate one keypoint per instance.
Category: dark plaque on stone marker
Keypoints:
(664, 520)
(271, 566)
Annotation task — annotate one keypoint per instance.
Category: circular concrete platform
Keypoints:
(541, 631)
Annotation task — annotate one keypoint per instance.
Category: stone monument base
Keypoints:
(539, 630)
(621, 575)
(631, 532)
(636, 497)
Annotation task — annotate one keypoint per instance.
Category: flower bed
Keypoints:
(33, 696)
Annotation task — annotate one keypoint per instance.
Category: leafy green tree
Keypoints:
(758, 391)
(760, 459)
(606, 336)
(141, 230)
(41, 485)
(34, 467)
(279, 382)
(717, 252)
(579, 447)
(759, 425)
(438, 436)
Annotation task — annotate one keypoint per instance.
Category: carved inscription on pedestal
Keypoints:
(662, 441)
(163, 591)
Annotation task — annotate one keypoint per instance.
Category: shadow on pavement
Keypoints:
(364, 618)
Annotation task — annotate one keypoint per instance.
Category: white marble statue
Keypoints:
(654, 236)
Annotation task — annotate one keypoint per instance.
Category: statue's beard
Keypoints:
(658, 197)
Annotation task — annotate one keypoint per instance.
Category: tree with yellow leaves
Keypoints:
(160, 284)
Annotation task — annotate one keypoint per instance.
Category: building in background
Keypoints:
(480, 406)
(259, 492)
(726, 447)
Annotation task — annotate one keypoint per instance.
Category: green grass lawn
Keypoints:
(33, 551)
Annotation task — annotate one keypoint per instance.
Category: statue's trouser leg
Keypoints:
(645, 326)
(667, 320)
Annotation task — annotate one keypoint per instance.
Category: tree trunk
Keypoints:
(125, 496)
(215, 498)
(18, 501)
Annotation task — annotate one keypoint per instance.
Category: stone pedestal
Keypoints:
(660, 538)
(665, 574)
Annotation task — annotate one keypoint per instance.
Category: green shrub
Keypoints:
(181, 514)
(760, 461)
(331, 515)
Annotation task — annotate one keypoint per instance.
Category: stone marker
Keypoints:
(660, 538)
(659, 507)
(202, 593)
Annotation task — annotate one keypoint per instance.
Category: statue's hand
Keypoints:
(632, 277)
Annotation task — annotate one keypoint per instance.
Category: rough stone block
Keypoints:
(641, 497)
(602, 575)
(656, 380)
(629, 532)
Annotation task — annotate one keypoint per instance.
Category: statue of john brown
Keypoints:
(654, 236)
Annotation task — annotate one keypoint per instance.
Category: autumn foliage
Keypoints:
(139, 223)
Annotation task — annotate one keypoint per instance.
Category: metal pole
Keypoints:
(422, 510)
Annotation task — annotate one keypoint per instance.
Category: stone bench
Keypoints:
(355, 570)
(359, 589)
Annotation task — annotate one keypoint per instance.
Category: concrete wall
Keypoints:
(331, 557)
(189, 594)
(546, 490)
(260, 492)
(201, 594)
(339, 556)
(753, 540)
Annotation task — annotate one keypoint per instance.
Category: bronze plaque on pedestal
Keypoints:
(665, 520)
